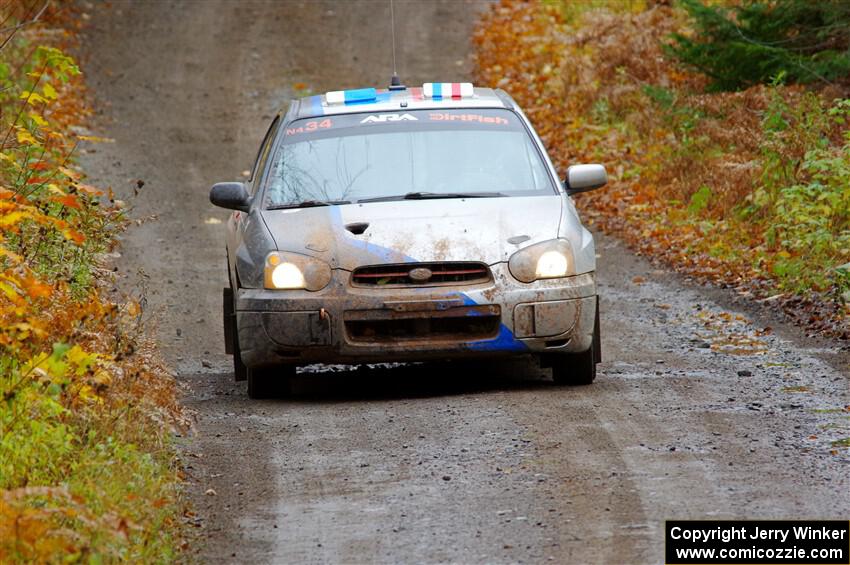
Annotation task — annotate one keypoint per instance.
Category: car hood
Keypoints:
(474, 229)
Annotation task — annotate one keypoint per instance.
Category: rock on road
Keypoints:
(697, 412)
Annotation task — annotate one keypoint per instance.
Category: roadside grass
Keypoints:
(87, 468)
(744, 189)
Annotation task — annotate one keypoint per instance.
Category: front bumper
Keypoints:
(349, 324)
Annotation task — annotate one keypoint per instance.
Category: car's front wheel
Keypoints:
(576, 369)
(270, 382)
(231, 335)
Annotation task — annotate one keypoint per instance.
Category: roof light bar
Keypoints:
(447, 89)
(351, 96)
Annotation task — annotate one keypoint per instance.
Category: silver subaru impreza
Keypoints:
(407, 224)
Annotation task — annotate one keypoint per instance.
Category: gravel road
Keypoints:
(698, 412)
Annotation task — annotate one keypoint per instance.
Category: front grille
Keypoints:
(465, 324)
(441, 273)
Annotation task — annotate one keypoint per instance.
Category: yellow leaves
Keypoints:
(133, 309)
(10, 161)
(9, 291)
(70, 173)
(102, 378)
(33, 98)
(25, 137)
(74, 403)
(72, 369)
(49, 91)
(10, 255)
(88, 394)
(24, 330)
(38, 119)
(96, 139)
(80, 359)
(12, 218)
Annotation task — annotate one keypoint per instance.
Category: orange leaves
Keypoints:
(37, 524)
(69, 200)
(73, 235)
(38, 166)
(687, 168)
(37, 289)
(85, 402)
(19, 284)
(89, 190)
(34, 180)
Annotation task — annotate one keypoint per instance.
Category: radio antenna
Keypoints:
(392, 25)
(395, 82)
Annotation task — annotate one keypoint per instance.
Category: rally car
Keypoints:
(407, 224)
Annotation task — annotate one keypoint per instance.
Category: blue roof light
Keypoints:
(352, 96)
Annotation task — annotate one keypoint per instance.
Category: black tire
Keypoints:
(578, 369)
(597, 341)
(227, 319)
(231, 335)
(270, 382)
(240, 371)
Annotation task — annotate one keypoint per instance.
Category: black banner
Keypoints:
(744, 542)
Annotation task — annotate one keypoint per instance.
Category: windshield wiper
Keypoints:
(433, 195)
(307, 204)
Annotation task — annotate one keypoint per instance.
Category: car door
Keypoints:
(242, 222)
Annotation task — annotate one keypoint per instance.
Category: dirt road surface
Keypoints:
(695, 413)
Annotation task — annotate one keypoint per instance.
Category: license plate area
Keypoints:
(463, 323)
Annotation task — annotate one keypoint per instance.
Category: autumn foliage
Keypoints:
(86, 468)
(746, 189)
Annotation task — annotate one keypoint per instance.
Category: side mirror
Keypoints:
(230, 195)
(582, 178)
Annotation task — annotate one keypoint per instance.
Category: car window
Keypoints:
(362, 156)
(263, 154)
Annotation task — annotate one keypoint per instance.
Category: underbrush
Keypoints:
(744, 189)
(87, 469)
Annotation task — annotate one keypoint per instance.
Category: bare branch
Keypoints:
(14, 29)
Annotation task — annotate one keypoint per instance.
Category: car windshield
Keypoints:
(417, 154)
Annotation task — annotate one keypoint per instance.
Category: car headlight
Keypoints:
(290, 271)
(546, 260)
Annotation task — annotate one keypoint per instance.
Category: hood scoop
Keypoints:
(517, 239)
(357, 228)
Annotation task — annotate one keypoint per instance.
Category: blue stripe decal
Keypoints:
(437, 90)
(381, 253)
(316, 105)
(505, 341)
